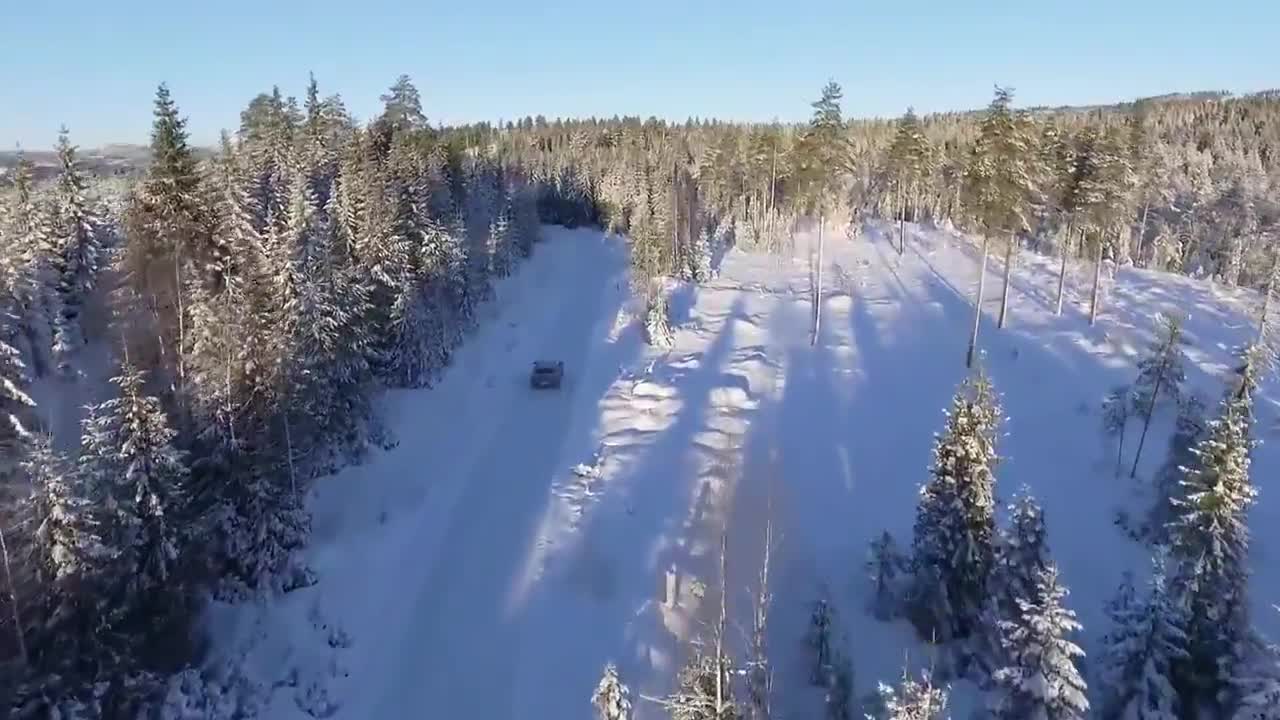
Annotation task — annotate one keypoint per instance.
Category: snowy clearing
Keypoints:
(516, 540)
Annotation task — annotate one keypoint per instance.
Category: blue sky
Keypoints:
(94, 65)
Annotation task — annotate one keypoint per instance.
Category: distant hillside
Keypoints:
(115, 159)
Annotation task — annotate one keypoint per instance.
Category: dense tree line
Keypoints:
(254, 306)
(1184, 183)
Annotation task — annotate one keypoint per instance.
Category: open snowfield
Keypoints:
(516, 540)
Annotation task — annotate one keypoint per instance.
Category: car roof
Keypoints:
(546, 364)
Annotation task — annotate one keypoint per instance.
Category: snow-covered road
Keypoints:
(470, 607)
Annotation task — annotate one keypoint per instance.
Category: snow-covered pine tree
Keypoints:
(128, 451)
(1257, 683)
(1190, 429)
(700, 257)
(30, 281)
(910, 159)
(461, 302)
(612, 699)
(71, 565)
(15, 404)
(1021, 555)
(66, 542)
(74, 230)
(1021, 552)
(327, 369)
(1210, 540)
(885, 566)
(524, 218)
(953, 547)
(1160, 374)
(167, 230)
(1146, 641)
(1105, 203)
(384, 252)
(998, 187)
(482, 206)
(409, 361)
(912, 699)
(1041, 680)
(260, 522)
(657, 325)
(1116, 410)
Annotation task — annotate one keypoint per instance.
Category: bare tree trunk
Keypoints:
(773, 179)
(182, 335)
(13, 601)
(977, 305)
(817, 290)
(675, 220)
(902, 220)
(231, 424)
(1142, 227)
(1267, 291)
(721, 691)
(1146, 420)
(1120, 450)
(761, 677)
(1097, 282)
(1008, 275)
(1062, 271)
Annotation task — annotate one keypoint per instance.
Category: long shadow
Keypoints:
(632, 534)
(995, 265)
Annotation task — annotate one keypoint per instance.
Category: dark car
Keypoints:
(546, 374)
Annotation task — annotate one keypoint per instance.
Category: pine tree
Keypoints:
(15, 403)
(1210, 539)
(167, 230)
(128, 454)
(402, 110)
(998, 185)
(1103, 199)
(1021, 556)
(30, 281)
(1159, 374)
(912, 700)
(1189, 430)
(700, 258)
(326, 371)
(825, 159)
(1041, 680)
(885, 563)
(71, 565)
(1076, 172)
(955, 520)
(1146, 641)
(612, 699)
(910, 158)
(1258, 683)
(75, 234)
(67, 541)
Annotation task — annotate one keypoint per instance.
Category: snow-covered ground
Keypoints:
(516, 540)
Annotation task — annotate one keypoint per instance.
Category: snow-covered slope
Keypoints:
(516, 540)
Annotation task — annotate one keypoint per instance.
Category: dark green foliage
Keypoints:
(953, 548)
